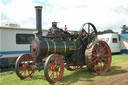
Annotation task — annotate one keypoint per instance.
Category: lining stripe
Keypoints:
(64, 47)
(48, 47)
(74, 44)
(54, 46)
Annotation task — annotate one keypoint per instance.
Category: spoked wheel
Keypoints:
(73, 68)
(98, 57)
(88, 33)
(23, 66)
(54, 68)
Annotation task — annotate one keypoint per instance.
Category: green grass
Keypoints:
(83, 76)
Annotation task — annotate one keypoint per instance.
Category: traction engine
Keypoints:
(60, 48)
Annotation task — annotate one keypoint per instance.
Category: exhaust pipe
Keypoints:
(38, 21)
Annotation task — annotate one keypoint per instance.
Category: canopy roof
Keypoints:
(124, 35)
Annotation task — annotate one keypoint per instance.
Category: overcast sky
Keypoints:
(104, 14)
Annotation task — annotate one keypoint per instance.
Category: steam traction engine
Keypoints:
(61, 48)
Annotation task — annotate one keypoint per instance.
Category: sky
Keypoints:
(104, 14)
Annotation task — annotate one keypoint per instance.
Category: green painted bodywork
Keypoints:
(60, 47)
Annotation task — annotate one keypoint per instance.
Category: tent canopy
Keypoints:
(124, 35)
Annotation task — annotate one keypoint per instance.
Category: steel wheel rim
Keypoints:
(23, 69)
(101, 57)
(55, 68)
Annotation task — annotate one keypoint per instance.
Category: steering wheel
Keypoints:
(88, 33)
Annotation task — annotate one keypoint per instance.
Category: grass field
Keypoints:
(79, 77)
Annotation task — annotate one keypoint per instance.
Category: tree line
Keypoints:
(124, 29)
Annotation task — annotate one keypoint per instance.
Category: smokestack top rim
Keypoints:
(38, 7)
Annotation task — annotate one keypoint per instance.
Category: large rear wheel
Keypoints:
(98, 57)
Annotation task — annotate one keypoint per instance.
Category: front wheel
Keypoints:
(54, 68)
(23, 66)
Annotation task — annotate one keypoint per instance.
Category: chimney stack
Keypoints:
(38, 20)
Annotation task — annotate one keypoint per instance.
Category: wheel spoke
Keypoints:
(102, 64)
(88, 29)
(56, 74)
(98, 47)
(93, 58)
(24, 72)
(95, 50)
(94, 61)
(91, 34)
(94, 55)
(51, 75)
(102, 53)
(56, 62)
(102, 49)
(99, 67)
(106, 65)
